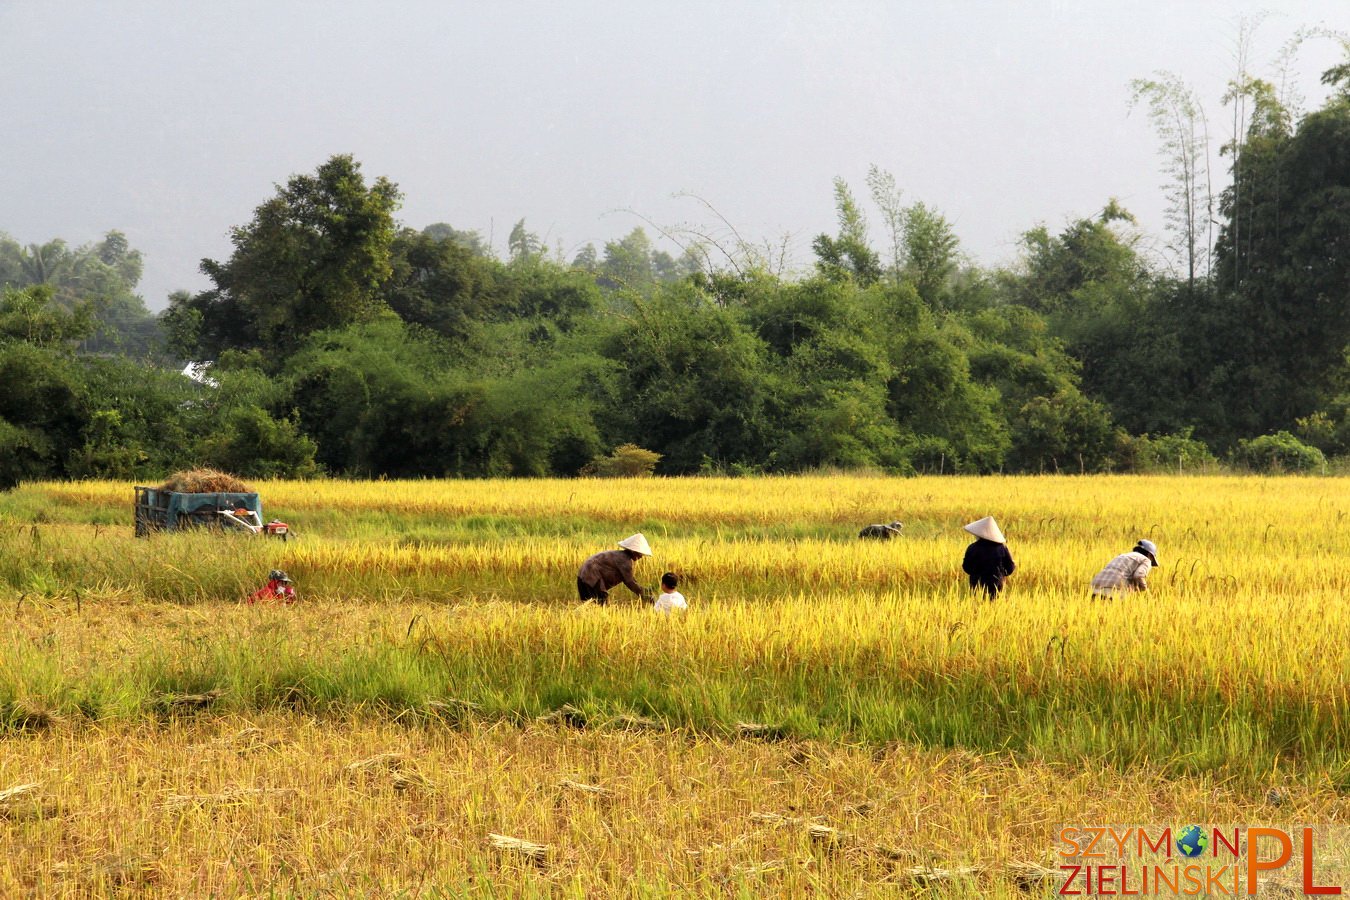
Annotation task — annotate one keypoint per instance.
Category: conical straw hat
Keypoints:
(988, 529)
(637, 543)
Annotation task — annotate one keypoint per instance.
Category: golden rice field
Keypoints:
(831, 717)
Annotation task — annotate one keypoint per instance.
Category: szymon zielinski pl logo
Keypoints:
(1202, 860)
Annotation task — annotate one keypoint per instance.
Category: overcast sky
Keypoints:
(171, 121)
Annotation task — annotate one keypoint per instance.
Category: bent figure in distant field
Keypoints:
(987, 561)
(279, 589)
(607, 568)
(881, 532)
(1128, 572)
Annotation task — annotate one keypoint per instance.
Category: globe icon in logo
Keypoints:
(1192, 841)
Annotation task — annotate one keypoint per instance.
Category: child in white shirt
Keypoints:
(670, 598)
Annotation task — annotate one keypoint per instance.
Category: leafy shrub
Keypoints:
(23, 453)
(1278, 452)
(1165, 453)
(253, 443)
(627, 461)
(930, 455)
(1328, 431)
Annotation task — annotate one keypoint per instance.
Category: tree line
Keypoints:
(340, 342)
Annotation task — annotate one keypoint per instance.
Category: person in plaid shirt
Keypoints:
(1127, 572)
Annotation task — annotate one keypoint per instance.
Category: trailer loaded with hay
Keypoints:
(202, 498)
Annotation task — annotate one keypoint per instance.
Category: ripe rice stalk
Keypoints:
(9, 795)
(566, 715)
(760, 730)
(227, 797)
(825, 836)
(934, 876)
(380, 762)
(28, 716)
(452, 711)
(769, 865)
(393, 766)
(246, 740)
(409, 779)
(117, 870)
(25, 803)
(189, 702)
(453, 705)
(775, 819)
(630, 722)
(1033, 876)
(594, 790)
(894, 854)
(535, 853)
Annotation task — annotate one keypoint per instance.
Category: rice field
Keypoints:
(832, 717)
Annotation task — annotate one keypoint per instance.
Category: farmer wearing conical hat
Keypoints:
(610, 567)
(1127, 572)
(987, 561)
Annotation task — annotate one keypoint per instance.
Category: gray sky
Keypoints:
(172, 120)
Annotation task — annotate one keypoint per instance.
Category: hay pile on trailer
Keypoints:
(204, 481)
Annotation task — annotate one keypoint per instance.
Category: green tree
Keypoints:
(42, 411)
(537, 410)
(375, 398)
(1178, 117)
(1063, 432)
(101, 277)
(847, 255)
(1073, 271)
(141, 420)
(1052, 425)
(471, 241)
(888, 198)
(30, 316)
(586, 259)
(441, 285)
(627, 263)
(627, 461)
(694, 385)
(523, 244)
(1283, 270)
(250, 443)
(315, 256)
(831, 406)
(931, 248)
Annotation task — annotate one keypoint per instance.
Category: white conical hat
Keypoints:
(988, 529)
(637, 543)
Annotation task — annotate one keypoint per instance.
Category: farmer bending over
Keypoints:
(882, 532)
(1127, 572)
(610, 567)
(278, 588)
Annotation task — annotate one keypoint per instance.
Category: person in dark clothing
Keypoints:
(987, 561)
(882, 532)
(608, 568)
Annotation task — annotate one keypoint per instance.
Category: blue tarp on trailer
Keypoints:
(187, 504)
(161, 510)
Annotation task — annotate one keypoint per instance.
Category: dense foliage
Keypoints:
(341, 342)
